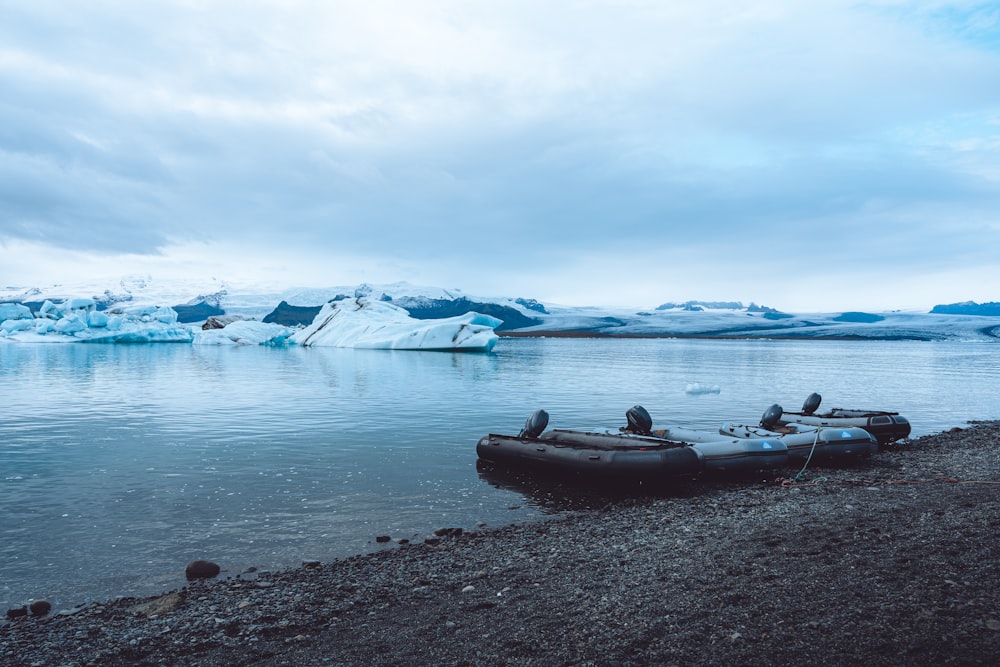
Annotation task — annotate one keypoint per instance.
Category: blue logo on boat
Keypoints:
(765, 445)
(845, 434)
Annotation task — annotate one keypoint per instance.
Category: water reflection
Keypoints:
(554, 493)
(153, 455)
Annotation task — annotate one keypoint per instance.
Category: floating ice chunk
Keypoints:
(245, 332)
(10, 326)
(71, 324)
(138, 324)
(79, 305)
(366, 323)
(15, 317)
(165, 315)
(160, 314)
(698, 388)
(14, 311)
(78, 320)
(130, 333)
(49, 310)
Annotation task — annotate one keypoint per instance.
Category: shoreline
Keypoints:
(890, 562)
(577, 333)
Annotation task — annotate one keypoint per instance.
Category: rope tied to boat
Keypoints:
(799, 476)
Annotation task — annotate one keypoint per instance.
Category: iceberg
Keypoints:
(362, 322)
(14, 311)
(13, 326)
(78, 320)
(245, 332)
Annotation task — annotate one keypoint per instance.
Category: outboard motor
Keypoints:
(811, 404)
(536, 423)
(771, 417)
(639, 420)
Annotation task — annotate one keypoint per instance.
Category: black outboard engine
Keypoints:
(536, 423)
(811, 404)
(771, 417)
(639, 420)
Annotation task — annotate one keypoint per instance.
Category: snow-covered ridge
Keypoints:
(193, 302)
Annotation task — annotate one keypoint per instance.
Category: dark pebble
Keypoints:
(16, 613)
(202, 569)
(40, 607)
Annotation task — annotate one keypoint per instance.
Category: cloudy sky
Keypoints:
(829, 154)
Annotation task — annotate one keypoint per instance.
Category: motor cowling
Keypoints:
(812, 403)
(771, 417)
(639, 420)
(536, 423)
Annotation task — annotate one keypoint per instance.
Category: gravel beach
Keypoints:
(893, 562)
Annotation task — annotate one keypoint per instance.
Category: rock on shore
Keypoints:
(894, 562)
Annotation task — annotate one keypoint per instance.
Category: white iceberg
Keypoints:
(14, 311)
(78, 320)
(366, 323)
(245, 332)
(14, 325)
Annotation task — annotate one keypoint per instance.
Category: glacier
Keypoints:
(363, 322)
(126, 312)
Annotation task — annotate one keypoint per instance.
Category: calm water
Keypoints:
(120, 464)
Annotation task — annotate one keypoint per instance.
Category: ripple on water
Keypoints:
(159, 454)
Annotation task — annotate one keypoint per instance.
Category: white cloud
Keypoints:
(399, 140)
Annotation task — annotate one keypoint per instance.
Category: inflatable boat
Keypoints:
(627, 453)
(885, 426)
(802, 443)
(813, 443)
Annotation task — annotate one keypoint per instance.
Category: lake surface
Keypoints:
(120, 464)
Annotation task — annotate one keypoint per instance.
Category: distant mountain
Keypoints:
(531, 304)
(699, 306)
(695, 306)
(290, 316)
(856, 317)
(990, 309)
(200, 311)
(433, 309)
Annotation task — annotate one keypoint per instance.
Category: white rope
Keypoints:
(811, 450)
